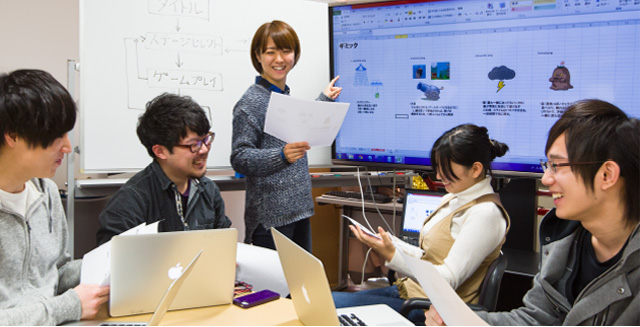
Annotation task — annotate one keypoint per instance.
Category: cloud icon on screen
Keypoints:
(501, 73)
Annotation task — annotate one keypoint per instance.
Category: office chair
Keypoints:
(487, 298)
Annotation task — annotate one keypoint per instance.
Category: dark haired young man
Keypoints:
(172, 189)
(589, 273)
(38, 279)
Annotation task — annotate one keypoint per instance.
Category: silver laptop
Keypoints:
(418, 205)
(166, 300)
(160, 310)
(311, 294)
(143, 266)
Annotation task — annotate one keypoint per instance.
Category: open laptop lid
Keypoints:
(141, 266)
(171, 293)
(161, 308)
(308, 283)
(418, 205)
(311, 294)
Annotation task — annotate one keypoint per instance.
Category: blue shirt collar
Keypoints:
(267, 85)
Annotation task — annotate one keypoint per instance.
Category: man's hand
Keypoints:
(92, 296)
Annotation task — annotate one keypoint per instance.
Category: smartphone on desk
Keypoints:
(253, 299)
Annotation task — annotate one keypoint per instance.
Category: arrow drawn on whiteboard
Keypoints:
(177, 24)
(234, 50)
(240, 44)
(179, 62)
(141, 73)
(132, 59)
(207, 111)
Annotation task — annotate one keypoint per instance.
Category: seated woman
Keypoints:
(461, 237)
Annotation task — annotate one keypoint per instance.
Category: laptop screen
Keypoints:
(418, 205)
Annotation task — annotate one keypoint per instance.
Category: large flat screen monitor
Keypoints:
(414, 69)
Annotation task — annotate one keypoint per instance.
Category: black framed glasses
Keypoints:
(196, 146)
(552, 167)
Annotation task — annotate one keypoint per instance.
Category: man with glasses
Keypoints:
(172, 189)
(590, 242)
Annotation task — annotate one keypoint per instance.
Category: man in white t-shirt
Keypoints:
(39, 283)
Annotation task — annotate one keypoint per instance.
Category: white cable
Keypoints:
(375, 204)
(364, 215)
(366, 258)
(394, 207)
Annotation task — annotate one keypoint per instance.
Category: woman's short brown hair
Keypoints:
(282, 35)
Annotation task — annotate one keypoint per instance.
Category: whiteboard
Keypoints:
(134, 50)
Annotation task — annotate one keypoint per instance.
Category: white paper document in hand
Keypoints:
(362, 227)
(295, 120)
(450, 306)
(95, 266)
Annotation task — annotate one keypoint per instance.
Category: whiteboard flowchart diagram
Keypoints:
(134, 50)
(157, 58)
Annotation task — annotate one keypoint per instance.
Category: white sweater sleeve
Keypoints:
(480, 233)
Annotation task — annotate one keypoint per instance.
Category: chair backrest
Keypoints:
(490, 287)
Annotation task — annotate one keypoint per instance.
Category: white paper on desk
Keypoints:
(450, 306)
(96, 263)
(295, 120)
(261, 268)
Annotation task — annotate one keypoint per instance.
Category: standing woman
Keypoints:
(277, 174)
(461, 238)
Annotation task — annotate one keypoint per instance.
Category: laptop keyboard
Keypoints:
(350, 319)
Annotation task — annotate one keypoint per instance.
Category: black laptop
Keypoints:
(418, 205)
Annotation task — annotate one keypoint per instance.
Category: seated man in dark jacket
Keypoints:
(172, 189)
(589, 273)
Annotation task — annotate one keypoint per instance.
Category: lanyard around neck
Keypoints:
(179, 207)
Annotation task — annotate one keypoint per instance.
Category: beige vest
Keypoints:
(438, 242)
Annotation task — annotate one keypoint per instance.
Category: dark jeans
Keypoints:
(299, 232)
(385, 295)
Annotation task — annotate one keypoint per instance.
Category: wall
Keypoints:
(42, 35)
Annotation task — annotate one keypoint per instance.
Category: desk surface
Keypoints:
(276, 313)
(330, 199)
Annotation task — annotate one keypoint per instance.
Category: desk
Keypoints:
(108, 186)
(276, 313)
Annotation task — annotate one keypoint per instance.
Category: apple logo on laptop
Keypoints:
(175, 272)
(306, 295)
